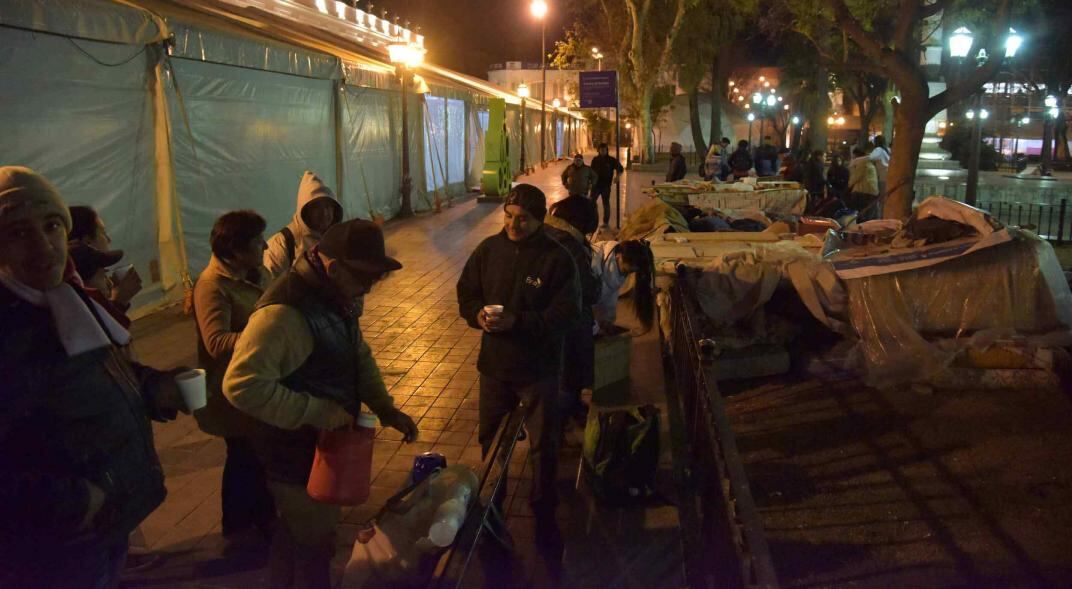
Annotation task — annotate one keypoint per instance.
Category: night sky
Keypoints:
(468, 35)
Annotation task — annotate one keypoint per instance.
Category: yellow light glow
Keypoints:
(538, 8)
(829, 120)
(762, 78)
(731, 84)
(523, 90)
(841, 120)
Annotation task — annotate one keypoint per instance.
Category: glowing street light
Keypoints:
(970, 115)
(840, 121)
(984, 114)
(762, 78)
(829, 120)
(960, 42)
(556, 103)
(772, 100)
(751, 117)
(538, 8)
(523, 90)
(1025, 121)
(1013, 43)
(757, 98)
(796, 120)
(1050, 101)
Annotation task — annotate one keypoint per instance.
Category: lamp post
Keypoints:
(751, 117)
(406, 57)
(1049, 120)
(539, 10)
(523, 92)
(757, 101)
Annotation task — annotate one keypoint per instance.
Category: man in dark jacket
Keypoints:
(78, 470)
(301, 367)
(535, 281)
(741, 160)
(608, 170)
(678, 167)
(569, 221)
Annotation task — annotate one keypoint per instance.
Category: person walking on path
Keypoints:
(535, 280)
(863, 185)
(740, 160)
(578, 178)
(608, 171)
(301, 367)
(567, 223)
(678, 168)
(318, 209)
(225, 296)
(78, 469)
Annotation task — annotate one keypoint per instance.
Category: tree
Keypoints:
(885, 38)
(868, 92)
(637, 36)
(706, 47)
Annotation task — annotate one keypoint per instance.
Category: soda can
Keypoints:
(425, 464)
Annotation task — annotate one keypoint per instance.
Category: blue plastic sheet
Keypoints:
(79, 113)
(372, 167)
(251, 136)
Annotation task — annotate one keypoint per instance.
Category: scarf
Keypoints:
(79, 327)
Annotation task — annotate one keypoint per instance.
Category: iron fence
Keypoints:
(722, 535)
(1048, 220)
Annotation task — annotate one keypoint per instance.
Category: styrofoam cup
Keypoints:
(493, 310)
(192, 386)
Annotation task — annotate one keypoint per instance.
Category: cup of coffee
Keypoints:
(120, 273)
(493, 310)
(192, 386)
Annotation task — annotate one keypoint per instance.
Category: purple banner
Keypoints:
(599, 89)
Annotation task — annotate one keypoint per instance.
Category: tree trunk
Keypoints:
(1047, 140)
(645, 129)
(718, 88)
(887, 113)
(908, 128)
(817, 127)
(694, 122)
(866, 115)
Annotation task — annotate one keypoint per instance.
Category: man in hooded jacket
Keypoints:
(318, 209)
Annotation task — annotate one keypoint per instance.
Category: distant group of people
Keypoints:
(279, 339)
(594, 181)
(858, 185)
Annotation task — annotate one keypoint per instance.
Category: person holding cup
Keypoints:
(521, 288)
(78, 469)
(88, 229)
(300, 366)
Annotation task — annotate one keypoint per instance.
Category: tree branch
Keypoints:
(906, 21)
(971, 84)
(871, 47)
(929, 10)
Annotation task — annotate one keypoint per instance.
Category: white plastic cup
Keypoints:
(120, 273)
(448, 520)
(493, 310)
(192, 386)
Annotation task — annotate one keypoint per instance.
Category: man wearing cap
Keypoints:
(578, 178)
(92, 266)
(535, 280)
(301, 366)
(78, 470)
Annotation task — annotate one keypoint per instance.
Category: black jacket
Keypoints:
(65, 421)
(581, 252)
(534, 279)
(605, 166)
(678, 168)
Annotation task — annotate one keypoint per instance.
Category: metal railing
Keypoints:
(454, 565)
(723, 537)
(1048, 220)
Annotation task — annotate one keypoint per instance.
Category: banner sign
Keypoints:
(599, 89)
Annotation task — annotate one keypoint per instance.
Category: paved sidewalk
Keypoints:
(428, 358)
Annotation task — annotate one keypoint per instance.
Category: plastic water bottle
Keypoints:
(448, 520)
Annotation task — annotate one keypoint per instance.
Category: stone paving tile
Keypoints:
(427, 355)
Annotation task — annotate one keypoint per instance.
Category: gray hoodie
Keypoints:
(276, 258)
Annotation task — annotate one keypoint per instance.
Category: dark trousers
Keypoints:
(245, 498)
(578, 367)
(497, 399)
(602, 193)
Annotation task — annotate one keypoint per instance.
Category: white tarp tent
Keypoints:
(162, 119)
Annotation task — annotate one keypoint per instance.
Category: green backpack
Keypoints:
(621, 454)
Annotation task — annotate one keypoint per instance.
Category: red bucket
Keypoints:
(342, 467)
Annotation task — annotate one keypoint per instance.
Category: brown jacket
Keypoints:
(223, 302)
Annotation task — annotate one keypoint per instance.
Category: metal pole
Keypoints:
(970, 191)
(407, 182)
(543, 91)
(750, 134)
(618, 152)
(524, 170)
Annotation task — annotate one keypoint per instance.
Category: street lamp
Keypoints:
(523, 92)
(960, 43)
(556, 103)
(1013, 43)
(406, 58)
(539, 10)
(751, 117)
